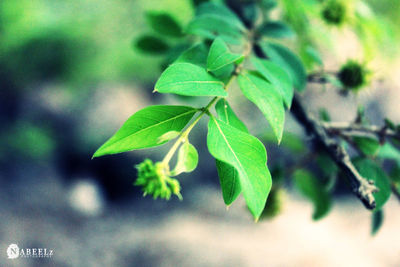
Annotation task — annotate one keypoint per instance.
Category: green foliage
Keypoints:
(151, 45)
(164, 24)
(266, 98)
(144, 129)
(190, 80)
(247, 155)
(187, 159)
(288, 61)
(227, 50)
(311, 188)
(220, 56)
(377, 220)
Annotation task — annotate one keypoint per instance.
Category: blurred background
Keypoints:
(70, 76)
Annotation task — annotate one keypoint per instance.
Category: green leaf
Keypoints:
(377, 220)
(187, 159)
(314, 55)
(285, 58)
(371, 171)
(222, 12)
(151, 45)
(266, 98)
(196, 55)
(276, 29)
(228, 175)
(211, 27)
(369, 146)
(164, 23)
(220, 56)
(312, 188)
(190, 80)
(144, 129)
(248, 156)
(388, 151)
(277, 76)
(290, 141)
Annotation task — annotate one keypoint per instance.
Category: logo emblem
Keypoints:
(13, 251)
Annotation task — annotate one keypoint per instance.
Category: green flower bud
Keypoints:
(334, 12)
(353, 75)
(154, 180)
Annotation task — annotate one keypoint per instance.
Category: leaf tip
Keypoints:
(256, 219)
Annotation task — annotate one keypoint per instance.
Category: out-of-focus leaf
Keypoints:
(195, 55)
(164, 23)
(187, 159)
(190, 80)
(266, 98)
(276, 29)
(326, 164)
(228, 175)
(220, 56)
(388, 151)
(288, 61)
(314, 55)
(222, 12)
(289, 140)
(368, 146)
(324, 115)
(144, 129)
(371, 171)
(311, 188)
(277, 76)
(248, 156)
(151, 45)
(377, 220)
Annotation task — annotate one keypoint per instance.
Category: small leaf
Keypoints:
(371, 171)
(220, 56)
(190, 80)
(151, 45)
(388, 151)
(164, 23)
(377, 220)
(196, 55)
(248, 156)
(144, 129)
(266, 98)
(187, 159)
(311, 188)
(368, 146)
(276, 29)
(228, 175)
(314, 55)
(277, 76)
(211, 27)
(222, 12)
(168, 136)
(285, 58)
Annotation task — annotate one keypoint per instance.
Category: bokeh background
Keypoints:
(69, 78)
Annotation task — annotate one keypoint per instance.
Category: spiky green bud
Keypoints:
(334, 12)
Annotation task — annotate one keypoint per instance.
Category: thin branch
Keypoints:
(362, 187)
(354, 129)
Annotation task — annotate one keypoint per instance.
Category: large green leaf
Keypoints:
(228, 175)
(276, 29)
(288, 61)
(190, 80)
(277, 76)
(266, 98)
(151, 45)
(144, 129)
(211, 27)
(371, 171)
(311, 188)
(220, 11)
(164, 23)
(187, 159)
(220, 56)
(196, 55)
(248, 156)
